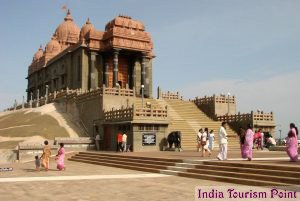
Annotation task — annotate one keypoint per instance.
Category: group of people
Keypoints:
(122, 142)
(248, 138)
(44, 160)
(205, 141)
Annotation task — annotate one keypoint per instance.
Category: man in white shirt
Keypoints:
(222, 142)
(262, 140)
(97, 140)
(124, 141)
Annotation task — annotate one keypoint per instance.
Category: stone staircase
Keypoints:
(243, 172)
(187, 118)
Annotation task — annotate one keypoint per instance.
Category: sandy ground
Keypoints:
(50, 109)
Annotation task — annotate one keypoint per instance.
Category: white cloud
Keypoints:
(279, 94)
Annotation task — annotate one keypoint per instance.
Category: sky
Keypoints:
(249, 48)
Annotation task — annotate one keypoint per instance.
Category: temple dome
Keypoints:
(68, 31)
(53, 46)
(38, 54)
(126, 22)
(86, 28)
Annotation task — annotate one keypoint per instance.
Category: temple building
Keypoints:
(87, 58)
(103, 80)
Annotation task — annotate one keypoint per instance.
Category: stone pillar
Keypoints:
(144, 75)
(46, 96)
(37, 97)
(93, 71)
(115, 72)
(106, 74)
(159, 95)
(143, 70)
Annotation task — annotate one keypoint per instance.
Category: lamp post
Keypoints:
(142, 95)
(228, 102)
(258, 112)
(280, 135)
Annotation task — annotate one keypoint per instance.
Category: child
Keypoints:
(37, 163)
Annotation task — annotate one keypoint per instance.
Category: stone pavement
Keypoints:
(87, 182)
(119, 187)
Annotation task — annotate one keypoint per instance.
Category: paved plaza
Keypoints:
(85, 182)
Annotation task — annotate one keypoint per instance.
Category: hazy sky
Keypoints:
(250, 48)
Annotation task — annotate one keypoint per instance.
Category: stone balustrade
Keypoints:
(215, 99)
(73, 141)
(171, 95)
(77, 94)
(130, 114)
(118, 91)
(235, 118)
(251, 117)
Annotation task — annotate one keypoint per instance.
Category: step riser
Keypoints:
(123, 163)
(124, 160)
(249, 165)
(249, 170)
(200, 171)
(228, 180)
(131, 157)
(119, 166)
(246, 176)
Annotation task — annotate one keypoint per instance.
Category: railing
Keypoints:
(118, 91)
(215, 99)
(69, 140)
(235, 118)
(77, 94)
(123, 114)
(251, 117)
(130, 114)
(171, 95)
(225, 99)
(263, 117)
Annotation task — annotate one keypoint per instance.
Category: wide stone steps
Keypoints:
(243, 172)
(253, 176)
(186, 117)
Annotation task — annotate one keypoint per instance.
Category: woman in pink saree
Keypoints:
(248, 144)
(292, 143)
(60, 157)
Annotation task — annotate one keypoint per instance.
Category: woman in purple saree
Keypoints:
(60, 157)
(248, 144)
(292, 143)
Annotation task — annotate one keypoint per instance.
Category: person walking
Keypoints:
(124, 142)
(262, 139)
(119, 142)
(211, 139)
(248, 144)
(222, 142)
(46, 155)
(60, 157)
(241, 135)
(199, 135)
(97, 140)
(204, 144)
(292, 143)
